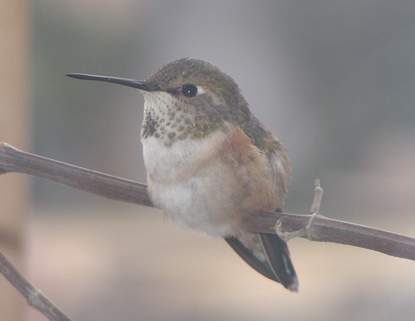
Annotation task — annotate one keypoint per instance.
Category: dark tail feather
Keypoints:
(249, 258)
(278, 266)
(279, 259)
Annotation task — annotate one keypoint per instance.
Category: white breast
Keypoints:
(170, 163)
(190, 191)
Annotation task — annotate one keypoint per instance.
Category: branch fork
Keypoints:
(305, 232)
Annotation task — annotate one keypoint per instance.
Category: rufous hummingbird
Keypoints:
(209, 160)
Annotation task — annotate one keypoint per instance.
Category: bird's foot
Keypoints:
(286, 236)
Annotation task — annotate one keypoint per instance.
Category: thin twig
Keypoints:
(318, 197)
(33, 296)
(315, 208)
(323, 228)
(14, 160)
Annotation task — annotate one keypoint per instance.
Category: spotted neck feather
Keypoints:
(170, 120)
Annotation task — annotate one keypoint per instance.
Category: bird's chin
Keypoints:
(157, 99)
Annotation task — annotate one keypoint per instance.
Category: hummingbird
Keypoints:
(210, 163)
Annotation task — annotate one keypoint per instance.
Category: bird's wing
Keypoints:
(268, 254)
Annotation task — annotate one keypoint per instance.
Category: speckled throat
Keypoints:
(170, 120)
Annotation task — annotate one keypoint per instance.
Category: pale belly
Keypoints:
(192, 186)
(204, 202)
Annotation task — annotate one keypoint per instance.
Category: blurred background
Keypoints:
(334, 80)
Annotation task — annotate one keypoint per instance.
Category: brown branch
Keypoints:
(314, 227)
(33, 296)
(14, 160)
(322, 229)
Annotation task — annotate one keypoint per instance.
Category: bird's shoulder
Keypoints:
(273, 149)
(249, 140)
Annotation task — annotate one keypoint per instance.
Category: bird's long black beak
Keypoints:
(117, 80)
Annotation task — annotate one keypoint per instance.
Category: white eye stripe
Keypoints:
(200, 90)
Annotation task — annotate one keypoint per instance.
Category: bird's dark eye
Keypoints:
(189, 90)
